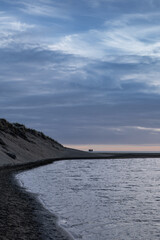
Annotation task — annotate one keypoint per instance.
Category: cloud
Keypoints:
(81, 73)
(10, 29)
(79, 44)
(148, 129)
(44, 9)
(129, 34)
(11, 23)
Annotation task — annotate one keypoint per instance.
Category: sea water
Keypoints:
(112, 199)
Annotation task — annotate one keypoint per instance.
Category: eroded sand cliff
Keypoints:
(19, 144)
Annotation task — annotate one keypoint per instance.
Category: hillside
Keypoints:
(19, 144)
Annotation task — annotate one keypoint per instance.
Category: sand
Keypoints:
(22, 217)
(21, 214)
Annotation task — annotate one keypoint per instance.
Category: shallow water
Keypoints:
(101, 199)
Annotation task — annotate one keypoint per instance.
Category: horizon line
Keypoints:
(116, 147)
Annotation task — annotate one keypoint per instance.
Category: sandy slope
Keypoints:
(19, 145)
(22, 216)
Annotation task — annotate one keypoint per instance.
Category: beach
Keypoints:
(22, 215)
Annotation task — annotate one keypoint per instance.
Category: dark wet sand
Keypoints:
(22, 217)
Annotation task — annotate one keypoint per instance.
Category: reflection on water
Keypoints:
(101, 199)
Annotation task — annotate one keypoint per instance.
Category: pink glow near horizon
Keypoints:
(134, 148)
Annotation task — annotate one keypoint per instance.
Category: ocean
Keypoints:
(115, 199)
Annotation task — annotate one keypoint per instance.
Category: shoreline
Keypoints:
(23, 216)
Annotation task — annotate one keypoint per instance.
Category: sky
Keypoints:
(85, 72)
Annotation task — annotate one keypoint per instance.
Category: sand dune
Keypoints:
(21, 145)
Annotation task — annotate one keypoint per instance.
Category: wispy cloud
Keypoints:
(148, 129)
(80, 44)
(98, 3)
(44, 9)
(131, 34)
(89, 66)
(11, 23)
(11, 27)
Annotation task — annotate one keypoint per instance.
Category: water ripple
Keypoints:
(101, 199)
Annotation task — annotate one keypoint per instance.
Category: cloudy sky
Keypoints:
(85, 72)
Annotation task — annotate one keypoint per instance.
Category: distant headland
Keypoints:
(20, 145)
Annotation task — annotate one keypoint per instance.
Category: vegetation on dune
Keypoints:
(19, 130)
